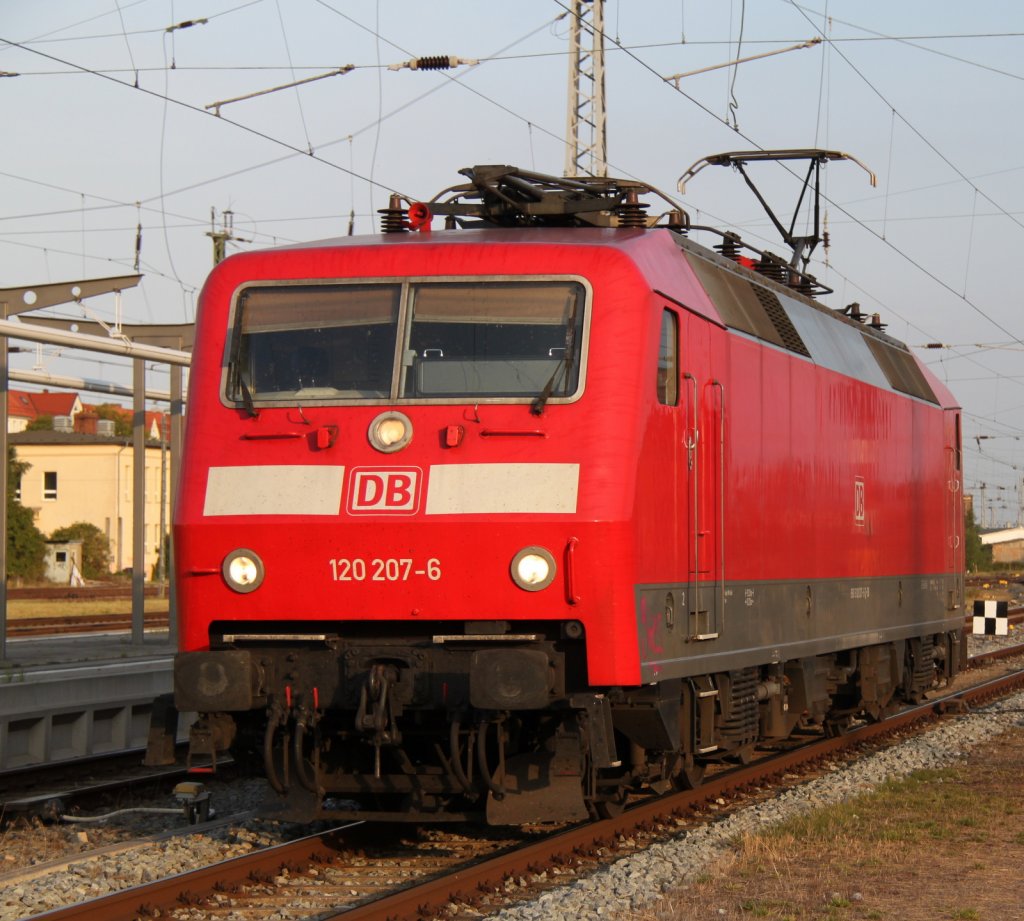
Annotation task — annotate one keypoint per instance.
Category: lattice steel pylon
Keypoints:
(586, 149)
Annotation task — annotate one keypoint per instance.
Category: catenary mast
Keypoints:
(586, 152)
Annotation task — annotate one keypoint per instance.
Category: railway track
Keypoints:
(86, 623)
(344, 871)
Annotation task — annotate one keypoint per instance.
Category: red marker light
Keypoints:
(420, 217)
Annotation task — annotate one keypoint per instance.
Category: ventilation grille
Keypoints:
(780, 320)
(900, 369)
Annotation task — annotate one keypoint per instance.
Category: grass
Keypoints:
(25, 608)
(940, 845)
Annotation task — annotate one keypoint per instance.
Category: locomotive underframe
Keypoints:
(346, 725)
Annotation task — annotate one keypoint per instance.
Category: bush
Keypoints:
(26, 546)
(95, 548)
(978, 557)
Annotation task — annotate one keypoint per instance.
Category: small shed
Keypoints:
(1007, 545)
(64, 562)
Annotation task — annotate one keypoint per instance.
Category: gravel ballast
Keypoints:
(617, 890)
(629, 884)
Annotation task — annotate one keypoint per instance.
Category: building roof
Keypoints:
(19, 404)
(154, 418)
(49, 403)
(1003, 537)
(49, 437)
(31, 406)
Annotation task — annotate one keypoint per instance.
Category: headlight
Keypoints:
(533, 569)
(390, 431)
(243, 570)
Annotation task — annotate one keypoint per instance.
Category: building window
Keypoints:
(50, 484)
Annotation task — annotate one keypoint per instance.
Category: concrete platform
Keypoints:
(69, 697)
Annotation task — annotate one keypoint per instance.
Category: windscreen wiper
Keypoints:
(247, 396)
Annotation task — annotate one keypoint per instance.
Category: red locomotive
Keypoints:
(512, 518)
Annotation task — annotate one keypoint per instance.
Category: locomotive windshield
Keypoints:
(428, 340)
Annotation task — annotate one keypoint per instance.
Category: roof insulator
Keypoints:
(392, 218)
(631, 212)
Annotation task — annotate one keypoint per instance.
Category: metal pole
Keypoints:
(572, 119)
(586, 150)
(161, 559)
(81, 383)
(102, 344)
(177, 408)
(138, 501)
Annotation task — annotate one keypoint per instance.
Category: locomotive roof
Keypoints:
(661, 255)
(625, 239)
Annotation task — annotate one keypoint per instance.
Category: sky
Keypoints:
(111, 138)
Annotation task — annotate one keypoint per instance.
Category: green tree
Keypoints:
(977, 557)
(26, 546)
(42, 423)
(95, 547)
(121, 417)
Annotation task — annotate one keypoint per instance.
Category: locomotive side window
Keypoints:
(513, 339)
(668, 360)
(310, 341)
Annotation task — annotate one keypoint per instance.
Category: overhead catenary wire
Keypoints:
(529, 123)
(835, 204)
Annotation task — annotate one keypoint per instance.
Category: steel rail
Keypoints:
(87, 623)
(158, 898)
(429, 898)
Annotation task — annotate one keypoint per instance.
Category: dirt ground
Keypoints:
(941, 845)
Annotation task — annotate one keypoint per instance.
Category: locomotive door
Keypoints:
(954, 514)
(703, 445)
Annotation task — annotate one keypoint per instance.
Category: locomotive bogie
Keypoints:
(510, 523)
(411, 724)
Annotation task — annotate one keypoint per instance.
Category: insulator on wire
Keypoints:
(392, 218)
(434, 62)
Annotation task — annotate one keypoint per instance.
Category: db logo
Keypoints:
(387, 491)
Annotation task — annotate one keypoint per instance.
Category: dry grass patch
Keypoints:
(26, 608)
(937, 845)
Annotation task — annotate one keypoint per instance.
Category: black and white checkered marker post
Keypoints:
(991, 618)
